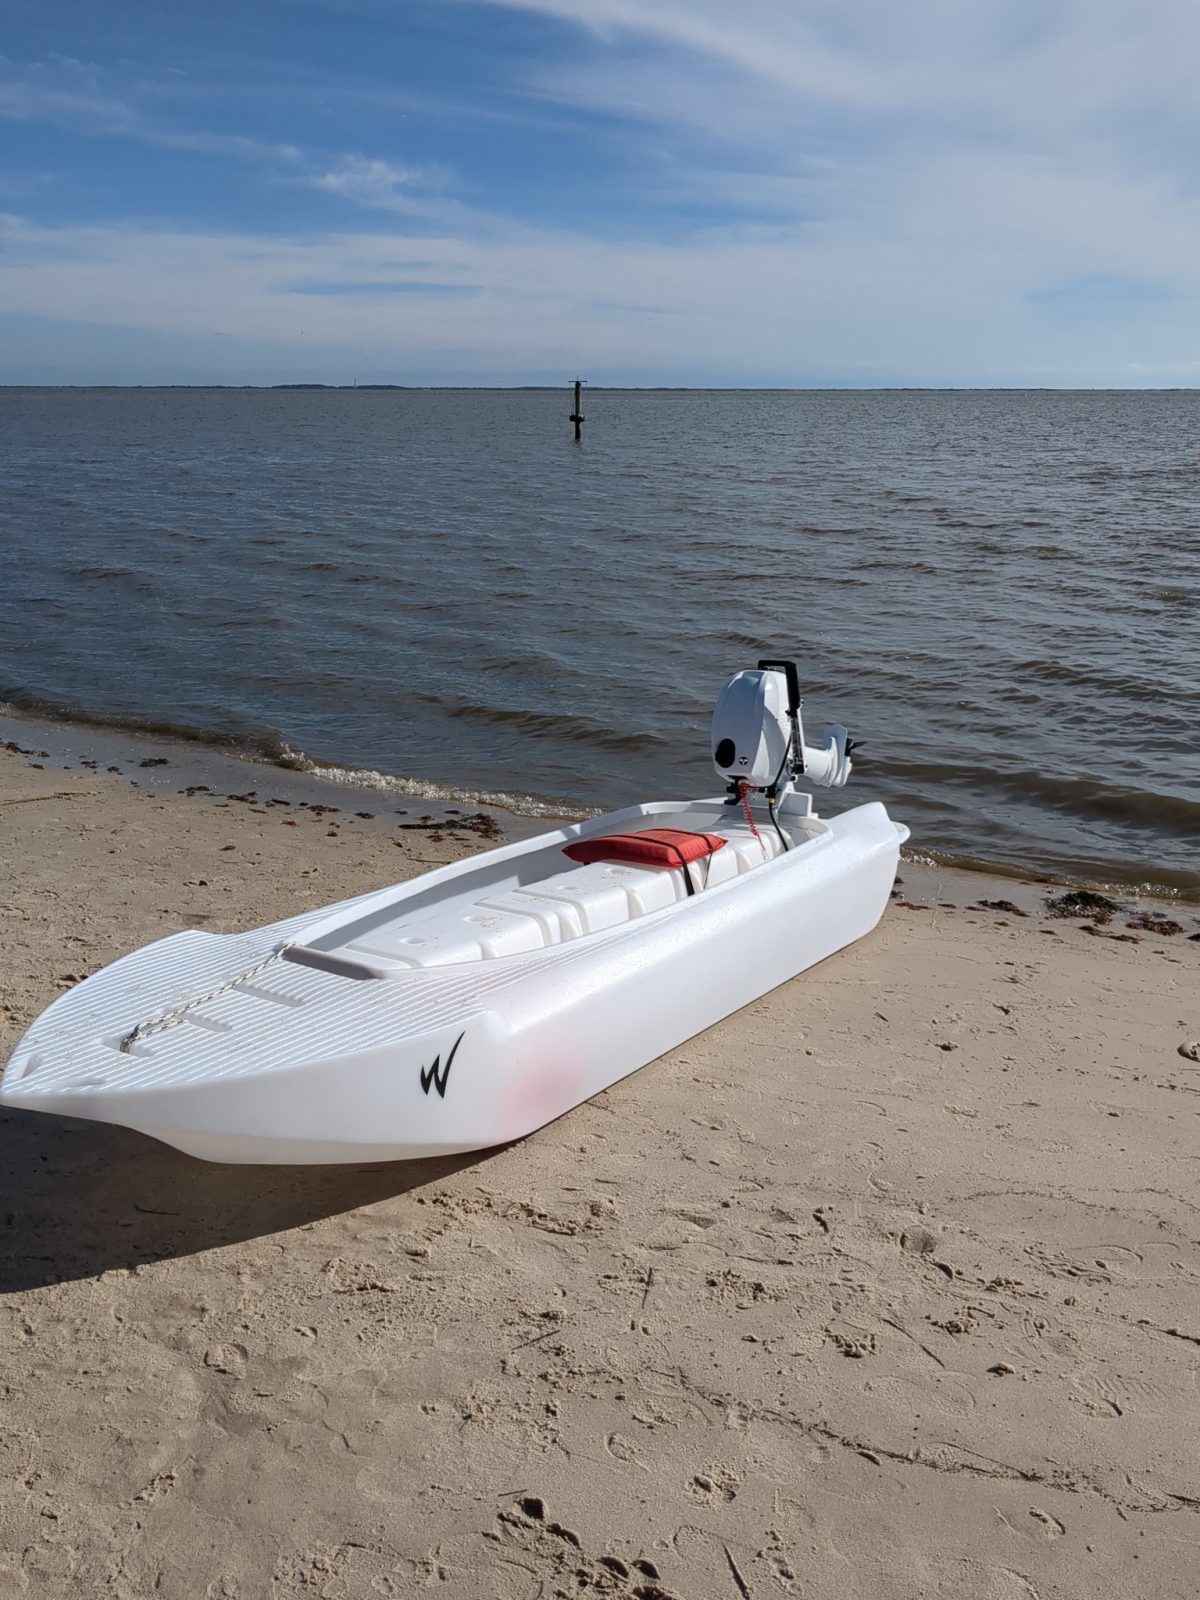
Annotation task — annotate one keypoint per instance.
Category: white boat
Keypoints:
(476, 1003)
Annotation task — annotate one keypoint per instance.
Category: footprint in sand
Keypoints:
(984, 1582)
(1098, 1398)
(620, 1449)
(852, 1342)
(559, 1559)
(1054, 1528)
(717, 1484)
(160, 1484)
(227, 1358)
(1041, 1332)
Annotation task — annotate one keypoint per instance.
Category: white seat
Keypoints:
(720, 867)
(596, 892)
(646, 888)
(557, 920)
(750, 852)
(477, 933)
(576, 901)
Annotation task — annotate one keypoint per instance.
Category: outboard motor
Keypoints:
(758, 737)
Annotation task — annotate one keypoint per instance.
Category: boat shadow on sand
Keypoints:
(82, 1198)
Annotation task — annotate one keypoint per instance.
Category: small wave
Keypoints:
(553, 725)
(268, 747)
(521, 805)
(743, 641)
(1144, 691)
(1180, 887)
(136, 583)
(234, 738)
(227, 623)
(899, 563)
(531, 660)
(1076, 796)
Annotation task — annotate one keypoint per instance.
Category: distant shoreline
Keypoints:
(640, 388)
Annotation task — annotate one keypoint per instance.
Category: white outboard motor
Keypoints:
(758, 737)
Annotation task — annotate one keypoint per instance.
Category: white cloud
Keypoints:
(1094, 85)
(71, 98)
(926, 56)
(937, 295)
(875, 192)
(381, 185)
(67, 94)
(27, 100)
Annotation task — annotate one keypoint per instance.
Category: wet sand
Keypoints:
(886, 1286)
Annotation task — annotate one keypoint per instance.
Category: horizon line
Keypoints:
(656, 388)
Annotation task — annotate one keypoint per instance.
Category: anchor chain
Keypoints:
(168, 1019)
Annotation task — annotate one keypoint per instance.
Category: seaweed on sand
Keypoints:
(1084, 904)
(1152, 924)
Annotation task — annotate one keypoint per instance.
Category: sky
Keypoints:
(698, 192)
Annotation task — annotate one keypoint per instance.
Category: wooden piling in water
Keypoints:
(577, 415)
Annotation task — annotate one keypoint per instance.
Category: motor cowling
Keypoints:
(758, 735)
(751, 729)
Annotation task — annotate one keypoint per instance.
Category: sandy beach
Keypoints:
(888, 1286)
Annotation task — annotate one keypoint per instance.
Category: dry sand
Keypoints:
(887, 1286)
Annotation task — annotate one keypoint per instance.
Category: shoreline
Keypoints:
(69, 741)
(167, 764)
(889, 1276)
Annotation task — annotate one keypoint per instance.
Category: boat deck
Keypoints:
(572, 903)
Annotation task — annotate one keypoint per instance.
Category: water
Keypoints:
(997, 591)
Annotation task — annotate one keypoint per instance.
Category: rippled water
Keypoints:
(998, 591)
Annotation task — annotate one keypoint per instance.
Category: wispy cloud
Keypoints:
(29, 100)
(928, 56)
(67, 94)
(689, 191)
(767, 85)
(368, 181)
(734, 304)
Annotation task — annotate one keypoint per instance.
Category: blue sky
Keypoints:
(649, 191)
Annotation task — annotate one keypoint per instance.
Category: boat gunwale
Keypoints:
(302, 950)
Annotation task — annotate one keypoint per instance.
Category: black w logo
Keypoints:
(437, 1074)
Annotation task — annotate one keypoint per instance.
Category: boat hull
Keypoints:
(433, 1063)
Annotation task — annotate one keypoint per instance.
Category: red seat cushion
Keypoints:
(653, 847)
